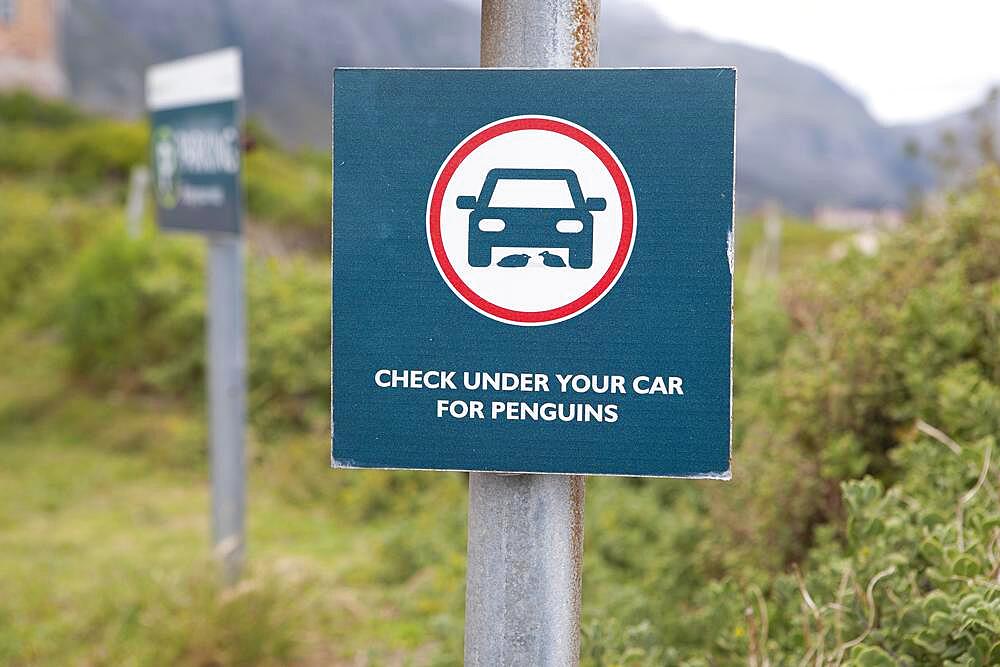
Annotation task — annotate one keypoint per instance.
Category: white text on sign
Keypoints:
(502, 381)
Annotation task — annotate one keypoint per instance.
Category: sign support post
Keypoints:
(227, 400)
(196, 155)
(138, 182)
(525, 544)
(530, 364)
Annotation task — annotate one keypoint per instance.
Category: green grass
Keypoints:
(105, 549)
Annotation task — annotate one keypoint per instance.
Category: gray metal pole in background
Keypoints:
(227, 400)
(522, 604)
(137, 185)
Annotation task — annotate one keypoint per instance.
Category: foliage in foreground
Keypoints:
(863, 525)
(132, 317)
(77, 154)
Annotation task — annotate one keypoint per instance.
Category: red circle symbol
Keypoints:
(477, 139)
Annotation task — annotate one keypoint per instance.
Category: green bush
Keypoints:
(289, 344)
(78, 154)
(79, 158)
(21, 107)
(103, 150)
(53, 140)
(289, 190)
(912, 581)
(133, 313)
(38, 236)
(133, 316)
(866, 455)
(876, 344)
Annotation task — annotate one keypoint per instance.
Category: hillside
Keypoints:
(860, 528)
(802, 138)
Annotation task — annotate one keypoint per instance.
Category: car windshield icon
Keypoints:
(531, 208)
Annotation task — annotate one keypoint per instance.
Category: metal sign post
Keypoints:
(138, 182)
(532, 282)
(194, 107)
(227, 400)
(525, 550)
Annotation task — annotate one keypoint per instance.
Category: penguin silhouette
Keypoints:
(551, 260)
(514, 261)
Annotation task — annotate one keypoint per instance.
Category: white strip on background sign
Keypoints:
(211, 77)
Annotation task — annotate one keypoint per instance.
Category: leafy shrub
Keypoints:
(289, 344)
(103, 150)
(37, 237)
(79, 154)
(48, 138)
(80, 157)
(876, 344)
(291, 191)
(866, 454)
(21, 107)
(913, 580)
(133, 313)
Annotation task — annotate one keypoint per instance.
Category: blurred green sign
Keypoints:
(194, 107)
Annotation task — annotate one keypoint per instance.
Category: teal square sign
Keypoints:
(532, 270)
(196, 156)
(195, 145)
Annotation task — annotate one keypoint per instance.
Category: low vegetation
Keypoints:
(862, 526)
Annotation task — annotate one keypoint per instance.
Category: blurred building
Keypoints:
(29, 46)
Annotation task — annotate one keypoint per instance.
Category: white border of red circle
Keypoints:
(592, 299)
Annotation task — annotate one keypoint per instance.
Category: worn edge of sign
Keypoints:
(723, 475)
(731, 258)
(333, 171)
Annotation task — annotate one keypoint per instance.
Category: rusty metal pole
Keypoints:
(539, 33)
(522, 604)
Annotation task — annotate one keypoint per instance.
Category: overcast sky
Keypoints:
(909, 60)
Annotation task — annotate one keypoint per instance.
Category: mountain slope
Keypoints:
(802, 138)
